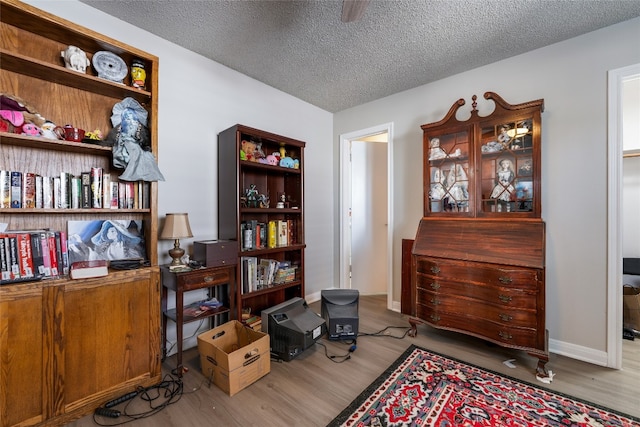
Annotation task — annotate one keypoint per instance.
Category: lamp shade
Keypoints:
(176, 226)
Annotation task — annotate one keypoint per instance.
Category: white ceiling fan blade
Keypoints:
(352, 10)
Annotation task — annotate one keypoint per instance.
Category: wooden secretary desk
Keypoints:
(477, 263)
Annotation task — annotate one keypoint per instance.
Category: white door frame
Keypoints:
(345, 203)
(614, 213)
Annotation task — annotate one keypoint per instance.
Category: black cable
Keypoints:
(381, 333)
(338, 358)
(158, 396)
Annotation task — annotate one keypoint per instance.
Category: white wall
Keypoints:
(571, 77)
(198, 98)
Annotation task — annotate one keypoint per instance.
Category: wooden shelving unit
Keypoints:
(69, 346)
(235, 176)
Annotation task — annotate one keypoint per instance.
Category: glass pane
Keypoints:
(507, 167)
(448, 173)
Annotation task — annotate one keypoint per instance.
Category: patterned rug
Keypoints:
(423, 388)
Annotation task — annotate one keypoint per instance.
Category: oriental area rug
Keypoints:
(423, 388)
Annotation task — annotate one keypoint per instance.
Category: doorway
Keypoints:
(366, 234)
(616, 85)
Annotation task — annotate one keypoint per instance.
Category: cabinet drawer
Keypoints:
(481, 327)
(497, 295)
(203, 279)
(474, 272)
(523, 316)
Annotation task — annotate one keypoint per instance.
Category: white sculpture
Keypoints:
(75, 59)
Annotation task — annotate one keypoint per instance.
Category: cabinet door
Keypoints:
(509, 155)
(21, 355)
(111, 335)
(447, 181)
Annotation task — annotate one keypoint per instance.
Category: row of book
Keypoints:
(260, 235)
(257, 274)
(33, 255)
(93, 189)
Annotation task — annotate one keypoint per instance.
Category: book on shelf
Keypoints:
(113, 195)
(5, 189)
(96, 187)
(24, 255)
(16, 189)
(13, 260)
(29, 190)
(39, 202)
(56, 193)
(106, 190)
(88, 269)
(47, 192)
(249, 274)
(283, 233)
(199, 308)
(53, 253)
(46, 253)
(85, 179)
(36, 254)
(76, 192)
(65, 191)
(272, 234)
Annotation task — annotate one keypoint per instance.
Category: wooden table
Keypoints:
(181, 282)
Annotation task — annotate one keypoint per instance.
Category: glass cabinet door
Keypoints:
(447, 172)
(506, 163)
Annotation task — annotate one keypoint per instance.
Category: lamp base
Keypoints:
(176, 253)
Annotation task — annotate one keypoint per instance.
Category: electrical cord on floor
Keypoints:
(381, 333)
(158, 396)
(338, 358)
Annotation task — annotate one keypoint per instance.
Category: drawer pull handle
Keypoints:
(505, 335)
(208, 279)
(504, 298)
(435, 317)
(435, 301)
(435, 285)
(435, 269)
(505, 280)
(505, 317)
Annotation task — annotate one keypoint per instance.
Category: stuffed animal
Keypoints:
(248, 150)
(15, 114)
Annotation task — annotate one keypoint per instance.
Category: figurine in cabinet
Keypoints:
(435, 151)
(75, 59)
(504, 187)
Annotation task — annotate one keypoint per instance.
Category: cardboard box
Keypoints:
(216, 253)
(234, 356)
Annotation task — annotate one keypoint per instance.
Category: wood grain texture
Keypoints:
(311, 389)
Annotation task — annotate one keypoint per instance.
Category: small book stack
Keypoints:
(254, 322)
(88, 269)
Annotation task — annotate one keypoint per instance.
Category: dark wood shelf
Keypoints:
(172, 314)
(270, 289)
(53, 145)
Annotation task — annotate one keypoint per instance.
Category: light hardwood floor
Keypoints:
(311, 389)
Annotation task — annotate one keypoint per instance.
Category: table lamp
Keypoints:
(176, 226)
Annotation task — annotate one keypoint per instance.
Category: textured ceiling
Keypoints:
(304, 49)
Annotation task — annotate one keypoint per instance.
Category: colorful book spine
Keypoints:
(272, 234)
(29, 190)
(53, 253)
(16, 189)
(46, 253)
(24, 255)
(64, 251)
(14, 260)
(113, 197)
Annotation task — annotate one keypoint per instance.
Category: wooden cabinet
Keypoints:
(477, 263)
(219, 281)
(239, 174)
(67, 346)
